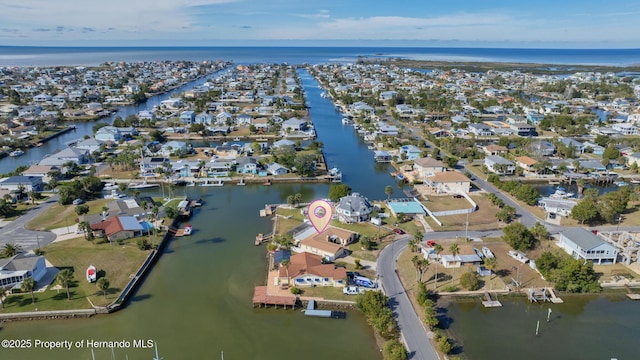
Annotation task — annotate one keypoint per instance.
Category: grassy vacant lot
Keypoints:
(58, 216)
(482, 219)
(446, 202)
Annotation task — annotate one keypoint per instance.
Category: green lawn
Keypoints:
(116, 262)
(58, 216)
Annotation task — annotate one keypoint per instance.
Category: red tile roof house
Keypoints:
(307, 270)
(118, 227)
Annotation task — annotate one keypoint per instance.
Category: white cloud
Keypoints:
(159, 16)
(321, 14)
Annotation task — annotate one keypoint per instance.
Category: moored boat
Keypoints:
(16, 152)
(92, 274)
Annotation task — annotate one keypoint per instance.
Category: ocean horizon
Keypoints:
(94, 55)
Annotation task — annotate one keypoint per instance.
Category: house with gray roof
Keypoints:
(294, 124)
(78, 156)
(499, 165)
(583, 244)
(19, 267)
(90, 144)
(354, 208)
(276, 169)
(29, 183)
(108, 133)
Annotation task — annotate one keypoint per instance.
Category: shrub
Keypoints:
(143, 244)
(469, 281)
(444, 345)
(296, 291)
(394, 350)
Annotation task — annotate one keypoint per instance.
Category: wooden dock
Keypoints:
(260, 298)
(554, 298)
(630, 294)
(489, 302)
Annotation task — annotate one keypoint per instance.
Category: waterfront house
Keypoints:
(108, 133)
(128, 207)
(283, 143)
(204, 118)
(28, 183)
(427, 166)
(387, 130)
(583, 244)
(118, 228)
(276, 169)
(382, 156)
(410, 152)
(561, 207)
(247, 165)
(41, 171)
(354, 208)
(146, 115)
(187, 117)
(91, 145)
(499, 165)
(294, 124)
(329, 244)
(569, 142)
(526, 163)
(78, 156)
(541, 148)
(306, 270)
(19, 267)
(172, 147)
(625, 128)
(448, 182)
(633, 158)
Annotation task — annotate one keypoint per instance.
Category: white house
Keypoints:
(354, 208)
(583, 244)
(448, 182)
(22, 266)
(499, 165)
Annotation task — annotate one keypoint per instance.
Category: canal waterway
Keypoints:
(35, 154)
(583, 327)
(196, 302)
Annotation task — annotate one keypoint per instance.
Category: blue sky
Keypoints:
(497, 23)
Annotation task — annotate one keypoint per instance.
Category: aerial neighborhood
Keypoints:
(495, 169)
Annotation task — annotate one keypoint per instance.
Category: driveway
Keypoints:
(15, 233)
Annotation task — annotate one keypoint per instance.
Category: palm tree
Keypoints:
(64, 278)
(388, 190)
(454, 251)
(416, 263)
(423, 266)
(413, 245)
(580, 182)
(491, 264)
(438, 249)
(28, 285)
(33, 195)
(103, 284)
(297, 198)
(290, 200)
(11, 250)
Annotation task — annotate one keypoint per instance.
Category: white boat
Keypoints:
(190, 184)
(519, 256)
(346, 120)
(487, 252)
(92, 274)
(16, 152)
(622, 183)
(143, 186)
(187, 230)
(216, 182)
(560, 193)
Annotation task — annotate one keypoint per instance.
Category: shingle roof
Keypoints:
(585, 239)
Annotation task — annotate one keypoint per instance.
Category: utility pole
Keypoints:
(466, 229)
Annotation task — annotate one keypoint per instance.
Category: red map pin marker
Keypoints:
(320, 213)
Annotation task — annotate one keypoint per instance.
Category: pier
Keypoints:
(630, 294)
(311, 311)
(489, 302)
(543, 295)
(262, 298)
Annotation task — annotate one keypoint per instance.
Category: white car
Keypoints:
(351, 290)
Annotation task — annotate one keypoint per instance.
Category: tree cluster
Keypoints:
(523, 192)
(567, 273)
(606, 207)
(85, 188)
(518, 237)
(375, 306)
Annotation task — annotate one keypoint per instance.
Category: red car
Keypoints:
(431, 243)
(398, 231)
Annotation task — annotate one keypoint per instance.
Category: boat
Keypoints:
(143, 186)
(487, 252)
(561, 193)
(190, 184)
(519, 256)
(622, 183)
(187, 230)
(16, 152)
(478, 252)
(267, 182)
(241, 182)
(213, 182)
(92, 274)
(38, 144)
(236, 139)
(346, 121)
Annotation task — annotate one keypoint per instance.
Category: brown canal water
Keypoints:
(196, 302)
(582, 328)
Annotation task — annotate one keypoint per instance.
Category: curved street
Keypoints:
(15, 233)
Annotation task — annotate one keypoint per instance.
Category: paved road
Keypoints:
(15, 232)
(413, 333)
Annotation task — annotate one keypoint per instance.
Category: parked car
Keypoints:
(78, 201)
(431, 243)
(458, 196)
(351, 290)
(398, 231)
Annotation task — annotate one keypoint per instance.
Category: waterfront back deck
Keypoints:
(261, 297)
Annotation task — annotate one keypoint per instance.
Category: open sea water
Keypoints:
(45, 56)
